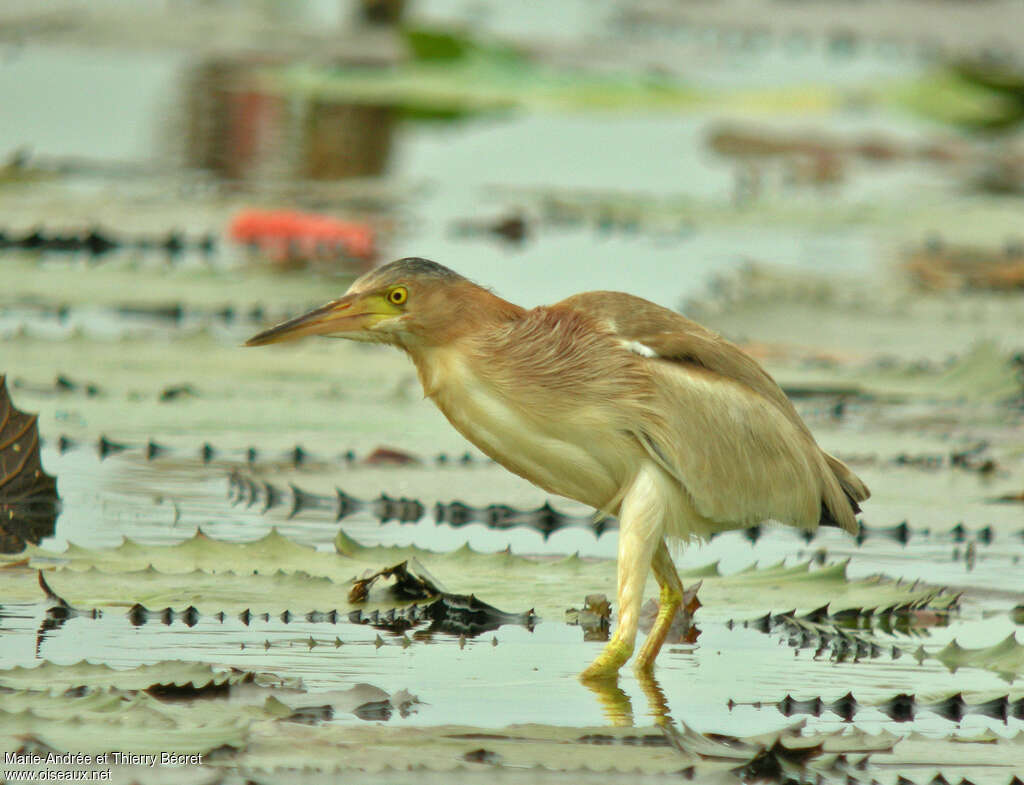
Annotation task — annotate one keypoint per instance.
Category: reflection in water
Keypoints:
(615, 703)
(656, 700)
(229, 127)
(346, 140)
(240, 129)
(58, 611)
(617, 706)
(454, 614)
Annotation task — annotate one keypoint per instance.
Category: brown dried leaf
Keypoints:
(682, 629)
(411, 582)
(28, 495)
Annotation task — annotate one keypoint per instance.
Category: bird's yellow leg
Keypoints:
(671, 597)
(640, 531)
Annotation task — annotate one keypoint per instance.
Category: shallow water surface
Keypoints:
(218, 503)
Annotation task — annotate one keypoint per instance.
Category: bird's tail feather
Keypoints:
(852, 485)
(854, 492)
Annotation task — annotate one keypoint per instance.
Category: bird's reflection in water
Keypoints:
(617, 705)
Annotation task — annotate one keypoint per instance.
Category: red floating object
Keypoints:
(389, 456)
(289, 234)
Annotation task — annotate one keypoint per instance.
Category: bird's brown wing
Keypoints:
(671, 336)
(718, 453)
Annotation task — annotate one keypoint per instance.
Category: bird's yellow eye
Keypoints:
(398, 295)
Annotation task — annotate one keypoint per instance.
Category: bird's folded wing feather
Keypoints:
(731, 435)
(671, 336)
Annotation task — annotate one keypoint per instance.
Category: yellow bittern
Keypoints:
(608, 399)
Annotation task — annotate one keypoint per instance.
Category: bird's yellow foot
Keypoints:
(608, 662)
(644, 663)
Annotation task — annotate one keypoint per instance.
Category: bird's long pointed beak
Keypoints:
(348, 314)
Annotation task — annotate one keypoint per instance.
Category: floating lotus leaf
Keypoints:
(980, 757)
(53, 678)
(1005, 658)
(904, 708)
(138, 730)
(955, 96)
(273, 574)
(483, 82)
(639, 751)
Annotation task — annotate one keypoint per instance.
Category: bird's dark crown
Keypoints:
(410, 266)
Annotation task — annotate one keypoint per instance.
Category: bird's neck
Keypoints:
(462, 341)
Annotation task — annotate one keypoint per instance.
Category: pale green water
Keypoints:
(330, 397)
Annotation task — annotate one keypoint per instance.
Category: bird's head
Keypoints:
(408, 303)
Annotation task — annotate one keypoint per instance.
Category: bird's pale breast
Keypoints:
(561, 442)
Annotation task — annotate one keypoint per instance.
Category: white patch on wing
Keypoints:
(638, 348)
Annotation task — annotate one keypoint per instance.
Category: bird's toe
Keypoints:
(608, 661)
